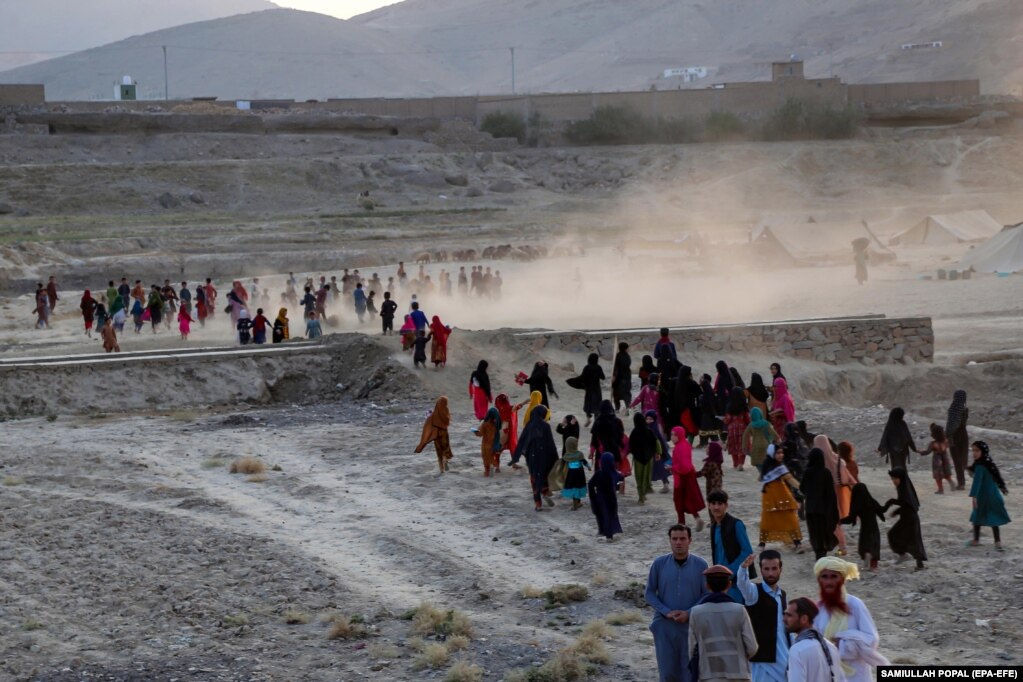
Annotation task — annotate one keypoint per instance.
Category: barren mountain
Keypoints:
(436, 47)
(30, 27)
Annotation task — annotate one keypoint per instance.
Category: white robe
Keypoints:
(807, 663)
(857, 644)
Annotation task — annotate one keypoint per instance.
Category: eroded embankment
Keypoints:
(345, 364)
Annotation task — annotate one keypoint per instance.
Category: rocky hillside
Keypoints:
(435, 47)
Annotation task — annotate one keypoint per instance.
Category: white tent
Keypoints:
(815, 243)
(1001, 253)
(950, 228)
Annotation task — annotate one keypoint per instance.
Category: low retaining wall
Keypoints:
(870, 340)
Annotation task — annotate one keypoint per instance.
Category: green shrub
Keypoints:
(722, 125)
(799, 120)
(675, 131)
(504, 124)
(610, 125)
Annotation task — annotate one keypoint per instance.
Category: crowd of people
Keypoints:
(804, 477)
(321, 301)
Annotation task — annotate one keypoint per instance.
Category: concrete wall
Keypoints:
(873, 340)
(889, 93)
(745, 99)
(21, 94)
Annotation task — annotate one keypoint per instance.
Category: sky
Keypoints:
(338, 8)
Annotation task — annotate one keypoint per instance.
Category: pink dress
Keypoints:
(687, 496)
(184, 322)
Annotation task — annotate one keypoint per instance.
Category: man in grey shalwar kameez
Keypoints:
(675, 585)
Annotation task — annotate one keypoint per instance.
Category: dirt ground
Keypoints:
(133, 553)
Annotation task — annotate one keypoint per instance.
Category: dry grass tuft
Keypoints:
(457, 643)
(11, 481)
(600, 579)
(620, 618)
(235, 621)
(589, 649)
(213, 463)
(293, 617)
(463, 671)
(384, 652)
(429, 620)
(30, 624)
(248, 465)
(530, 592)
(257, 478)
(559, 595)
(597, 629)
(417, 644)
(434, 656)
(342, 628)
(577, 661)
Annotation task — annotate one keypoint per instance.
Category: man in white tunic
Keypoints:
(845, 621)
(811, 658)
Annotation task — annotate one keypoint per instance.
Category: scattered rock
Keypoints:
(503, 186)
(168, 200)
(460, 180)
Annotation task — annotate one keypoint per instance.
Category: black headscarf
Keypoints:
(757, 388)
(707, 393)
(687, 391)
(956, 412)
(623, 366)
(536, 444)
(737, 405)
(481, 377)
(608, 429)
(642, 441)
(905, 492)
(647, 365)
(819, 488)
(780, 374)
(724, 378)
(896, 437)
(656, 430)
(736, 378)
(794, 451)
(989, 464)
(805, 434)
(568, 429)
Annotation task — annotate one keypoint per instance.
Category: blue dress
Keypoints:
(575, 481)
(990, 509)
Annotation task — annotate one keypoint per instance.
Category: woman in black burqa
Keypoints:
(603, 489)
(540, 380)
(896, 440)
(866, 511)
(607, 432)
(958, 438)
(905, 537)
(537, 445)
(820, 504)
(685, 403)
(589, 381)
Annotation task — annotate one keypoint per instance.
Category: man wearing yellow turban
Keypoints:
(845, 621)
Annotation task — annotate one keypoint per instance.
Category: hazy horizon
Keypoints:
(342, 9)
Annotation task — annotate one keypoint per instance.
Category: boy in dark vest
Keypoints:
(766, 603)
(729, 543)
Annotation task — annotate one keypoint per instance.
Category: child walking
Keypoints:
(435, 430)
(184, 323)
(419, 354)
(941, 462)
(489, 432)
(713, 477)
(986, 491)
(575, 480)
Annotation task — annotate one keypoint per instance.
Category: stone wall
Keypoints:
(870, 340)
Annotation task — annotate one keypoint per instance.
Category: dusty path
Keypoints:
(114, 519)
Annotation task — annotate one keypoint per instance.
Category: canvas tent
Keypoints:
(816, 243)
(950, 228)
(1001, 253)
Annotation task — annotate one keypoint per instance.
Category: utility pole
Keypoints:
(166, 92)
(513, 68)
(831, 67)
